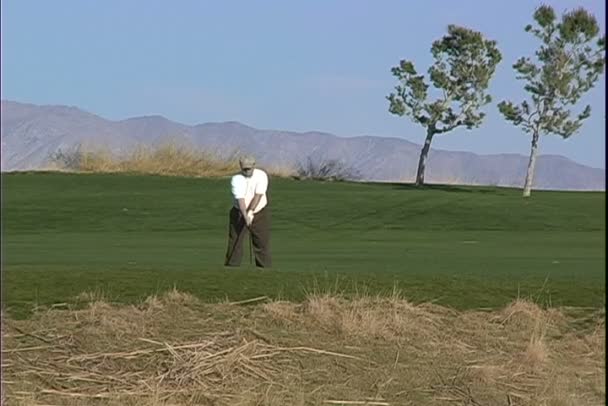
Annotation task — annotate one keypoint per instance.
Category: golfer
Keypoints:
(249, 214)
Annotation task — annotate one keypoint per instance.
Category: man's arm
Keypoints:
(238, 192)
(260, 190)
(242, 207)
(254, 202)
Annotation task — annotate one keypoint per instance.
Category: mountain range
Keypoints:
(32, 133)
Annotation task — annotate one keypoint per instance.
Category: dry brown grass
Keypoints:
(174, 349)
(170, 159)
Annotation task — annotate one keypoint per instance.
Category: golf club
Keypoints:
(250, 247)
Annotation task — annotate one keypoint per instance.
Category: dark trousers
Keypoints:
(260, 235)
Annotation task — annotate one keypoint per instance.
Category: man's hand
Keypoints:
(249, 218)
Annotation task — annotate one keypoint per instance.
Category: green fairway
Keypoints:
(131, 236)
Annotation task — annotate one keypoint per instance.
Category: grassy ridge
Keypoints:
(132, 236)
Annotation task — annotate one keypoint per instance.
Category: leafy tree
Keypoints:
(567, 64)
(464, 64)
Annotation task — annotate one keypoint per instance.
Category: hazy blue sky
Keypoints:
(307, 65)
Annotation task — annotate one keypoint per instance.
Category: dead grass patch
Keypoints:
(173, 349)
(168, 159)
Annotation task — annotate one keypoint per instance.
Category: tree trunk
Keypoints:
(424, 155)
(531, 164)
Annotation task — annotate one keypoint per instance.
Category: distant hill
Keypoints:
(31, 133)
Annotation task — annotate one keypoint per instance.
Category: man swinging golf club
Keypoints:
(249, 215)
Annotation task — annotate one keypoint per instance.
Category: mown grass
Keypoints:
(132, 235)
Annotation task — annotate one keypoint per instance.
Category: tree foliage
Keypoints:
(567, 64)
(464, 64)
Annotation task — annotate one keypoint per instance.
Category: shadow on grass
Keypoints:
(454, 188)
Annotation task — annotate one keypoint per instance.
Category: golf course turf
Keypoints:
(129, 236)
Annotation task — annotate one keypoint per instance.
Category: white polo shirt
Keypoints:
(246, 188)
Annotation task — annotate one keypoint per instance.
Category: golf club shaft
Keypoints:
(250, 247)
